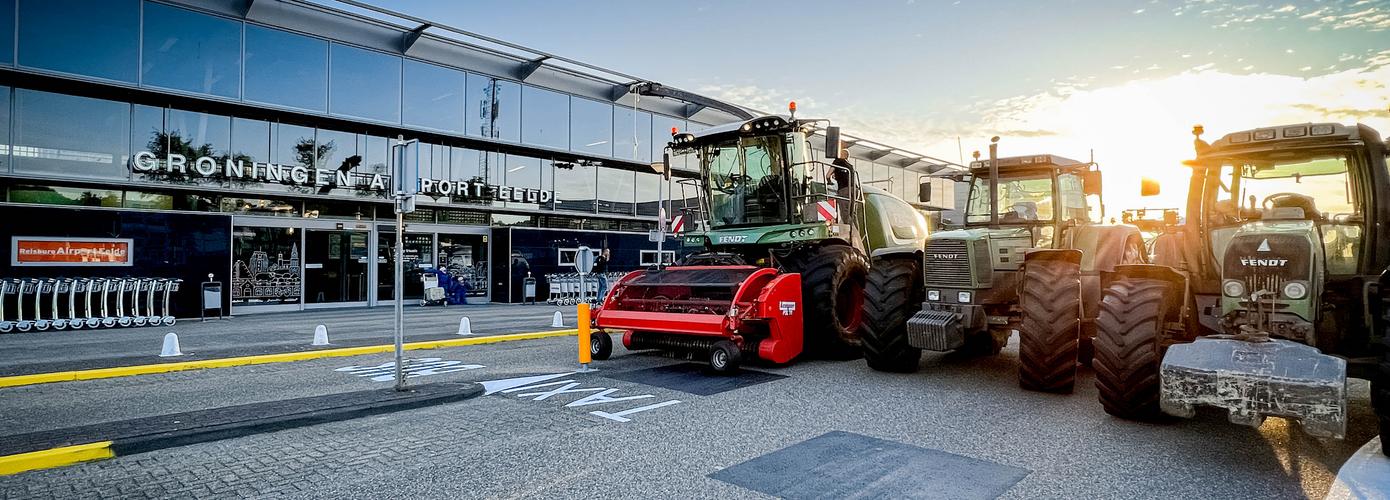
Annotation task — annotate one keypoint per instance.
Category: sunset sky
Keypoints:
(1127, 79)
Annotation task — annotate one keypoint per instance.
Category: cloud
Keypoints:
(1364, 14)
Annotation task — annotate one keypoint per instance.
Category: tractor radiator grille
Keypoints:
(948, 263)
(1266, 262)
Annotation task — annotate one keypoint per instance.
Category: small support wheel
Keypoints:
(724, 357)
(600, 345)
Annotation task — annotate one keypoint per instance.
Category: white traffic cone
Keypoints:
(320, 335)
(558, 322)
(465, 328)
(171, 346)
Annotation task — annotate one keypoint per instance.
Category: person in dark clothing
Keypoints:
(601, 262)
(842, 175)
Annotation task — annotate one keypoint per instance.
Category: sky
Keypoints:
(1123, 80)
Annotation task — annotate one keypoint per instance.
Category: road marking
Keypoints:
(412, 368)
(127, 371)
(600, 395)
(55, 457)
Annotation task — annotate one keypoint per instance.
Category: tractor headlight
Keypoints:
(933, 294)
(963, 297)
(1295, 290)
(1233, 288)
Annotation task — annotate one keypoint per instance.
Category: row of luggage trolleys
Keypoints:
(566, 291)
(75, 303)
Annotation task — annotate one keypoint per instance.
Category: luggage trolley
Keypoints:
(7, 287)
(90, 286)
(108, 285)
(41, 286)
(138, 316)
(123, 285)
(61, 286)
(168, 286)
(75, 287)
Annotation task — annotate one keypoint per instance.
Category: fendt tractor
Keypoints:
(1028, 259)
(779, 261)
(1269, 294)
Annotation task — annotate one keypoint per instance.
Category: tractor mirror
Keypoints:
(832, 142)
(924, 192)
(1090, 183)
(1148, 187)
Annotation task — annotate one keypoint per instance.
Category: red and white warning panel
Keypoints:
(827, 210)
(677, 224)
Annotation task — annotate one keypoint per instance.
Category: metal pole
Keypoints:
(400, 295)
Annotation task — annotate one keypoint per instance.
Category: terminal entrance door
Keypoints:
(336, 263)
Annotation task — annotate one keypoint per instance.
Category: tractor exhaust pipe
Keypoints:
(994, 182)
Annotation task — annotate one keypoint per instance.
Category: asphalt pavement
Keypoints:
(54, 350)
(645, 427)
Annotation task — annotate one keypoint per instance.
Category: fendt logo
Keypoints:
(733, 239)
(1253, 262)
(946, 256)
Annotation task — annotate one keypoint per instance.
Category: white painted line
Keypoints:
(1366, 475)
(495, 386)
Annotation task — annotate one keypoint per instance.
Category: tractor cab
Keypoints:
(762, 186)
(1031, 191)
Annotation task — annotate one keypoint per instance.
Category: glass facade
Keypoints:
(516, 155)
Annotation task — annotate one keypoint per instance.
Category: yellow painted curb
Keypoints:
(56, 457)
(126, 371)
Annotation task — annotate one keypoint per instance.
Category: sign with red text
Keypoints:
(63, 251)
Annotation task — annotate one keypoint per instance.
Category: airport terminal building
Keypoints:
(249, 141)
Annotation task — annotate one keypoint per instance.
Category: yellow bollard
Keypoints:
(585, 351)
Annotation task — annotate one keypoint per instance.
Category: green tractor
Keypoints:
(1270, 293)
(778, 258)
(1028, 259)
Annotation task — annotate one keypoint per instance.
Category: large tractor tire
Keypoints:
(1127, 350)
(832, 295)
(1380, 386)
(892, 294)
(1051, 328)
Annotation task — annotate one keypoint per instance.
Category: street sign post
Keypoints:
(405, 178)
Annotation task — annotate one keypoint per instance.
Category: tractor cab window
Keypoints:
(1022, 199)
(1313, 186)
(1073, 199)
(746, 182)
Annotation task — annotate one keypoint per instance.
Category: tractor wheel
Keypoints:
(892, 294)
(832, 295)
(1380, 387)
(1051, 327)
(1127, 352)
(600, 345)
(724, 357)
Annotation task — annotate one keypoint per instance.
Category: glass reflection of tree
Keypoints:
(163, 144)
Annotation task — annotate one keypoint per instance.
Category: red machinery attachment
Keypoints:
(726, 312)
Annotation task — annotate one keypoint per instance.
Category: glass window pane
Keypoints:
(45, 142)
(648, 189)
(4, 129)
(623, 136)
(185, 50)
(250, 141)
(337, 152)
(575, 187)
(265, 265)
(147, 134)
(57, 195)
(294, 145)
(524, 180)
(591, 126)
(366, 84)
(88, 37)
(493, 108)
(661, 133)
(545, 118)
(433, 96)
(464, 165)
(7, 31)
(616, 191)
(196, 135)
(253, 206)
(286, 69)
